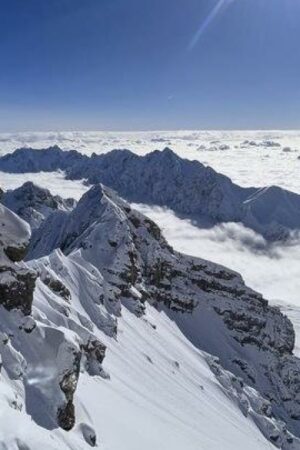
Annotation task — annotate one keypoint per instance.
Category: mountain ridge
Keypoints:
(162, 178)
(209, 303)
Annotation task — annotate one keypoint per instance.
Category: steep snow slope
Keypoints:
(162, 394)
(163, 178)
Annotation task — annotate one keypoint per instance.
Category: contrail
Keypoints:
(205, 24)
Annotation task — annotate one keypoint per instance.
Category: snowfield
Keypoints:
(125, 344)
(162, 394)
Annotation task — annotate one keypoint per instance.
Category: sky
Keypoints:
(149, 64)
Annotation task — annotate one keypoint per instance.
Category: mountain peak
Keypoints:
(116, 281)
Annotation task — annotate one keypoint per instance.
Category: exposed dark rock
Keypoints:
(16, 288)
(94, 351)
(66, 416)
(68, 384)
(16, 254)
(57, 287)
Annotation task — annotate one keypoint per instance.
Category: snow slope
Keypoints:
(162, 394)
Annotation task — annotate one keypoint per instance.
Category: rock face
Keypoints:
(162, 178)
(68, 384)
(16, 288)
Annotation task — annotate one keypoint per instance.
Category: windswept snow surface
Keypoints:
(162, 395)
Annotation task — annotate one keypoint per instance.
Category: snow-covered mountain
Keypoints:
(101, 279)
(33, 203)
(162, 178)
(51, 159)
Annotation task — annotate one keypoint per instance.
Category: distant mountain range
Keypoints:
(162, 178)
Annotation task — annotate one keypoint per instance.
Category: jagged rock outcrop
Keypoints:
(162, 178)
(16, 288)
(94, 352)
(68, 384)
(56, 285)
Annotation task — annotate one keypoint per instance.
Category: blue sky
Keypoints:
(149, 64)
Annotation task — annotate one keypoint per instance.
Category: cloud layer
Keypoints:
(272, 270)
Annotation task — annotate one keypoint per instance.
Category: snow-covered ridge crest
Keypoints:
(162, 178)
(51, 159)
